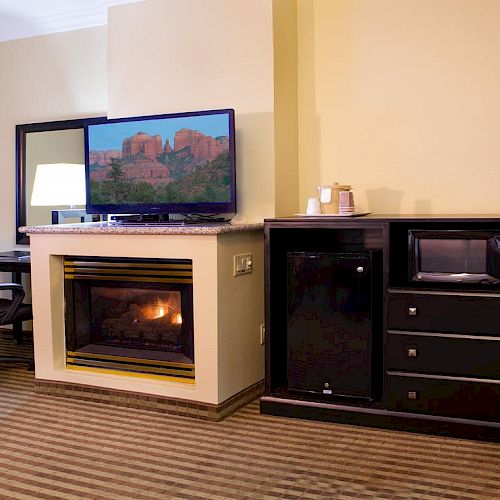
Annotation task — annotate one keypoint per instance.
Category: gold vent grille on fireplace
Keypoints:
(143, 270)
(149, 368)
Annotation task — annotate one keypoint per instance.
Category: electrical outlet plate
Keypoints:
(242, 264)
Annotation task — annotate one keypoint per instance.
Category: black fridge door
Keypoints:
(330, 323)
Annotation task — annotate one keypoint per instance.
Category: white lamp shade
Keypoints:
(59, 184)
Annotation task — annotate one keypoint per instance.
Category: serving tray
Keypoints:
(355, 214)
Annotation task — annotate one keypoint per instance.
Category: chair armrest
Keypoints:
(17, 299)
(11, 286)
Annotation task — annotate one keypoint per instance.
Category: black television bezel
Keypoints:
(202, 208)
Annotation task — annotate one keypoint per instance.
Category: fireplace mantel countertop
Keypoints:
(107, 228)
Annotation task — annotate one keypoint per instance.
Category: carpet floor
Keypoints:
(52, 447)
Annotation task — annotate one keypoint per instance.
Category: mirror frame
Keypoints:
(21, 131)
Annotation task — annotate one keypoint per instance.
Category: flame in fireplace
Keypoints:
(167, 306)
(156, 310)
(160, 313)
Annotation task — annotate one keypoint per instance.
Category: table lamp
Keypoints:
(59, 184)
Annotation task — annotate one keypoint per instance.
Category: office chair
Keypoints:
(14, 312)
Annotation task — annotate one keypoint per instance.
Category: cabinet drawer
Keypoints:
(446, 354)
(443, 396)
(476, 314)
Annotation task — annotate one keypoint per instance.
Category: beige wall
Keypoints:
(401, 99)
(170, 55)
(156, 65)
(45, 78)
(286, 166)
(240, 357)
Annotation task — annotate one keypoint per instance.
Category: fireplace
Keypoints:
(130, 315)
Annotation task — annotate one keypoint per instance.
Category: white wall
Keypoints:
(46, 78)
(171, 56)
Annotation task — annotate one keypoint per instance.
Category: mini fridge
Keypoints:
(331, 329)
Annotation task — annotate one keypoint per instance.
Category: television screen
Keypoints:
(181, 163)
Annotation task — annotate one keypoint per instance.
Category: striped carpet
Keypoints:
(59, 448)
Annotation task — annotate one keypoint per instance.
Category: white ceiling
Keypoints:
(26, 18)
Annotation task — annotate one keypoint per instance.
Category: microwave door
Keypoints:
(449, 257)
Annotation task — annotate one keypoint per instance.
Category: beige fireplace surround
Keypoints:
(228, 312)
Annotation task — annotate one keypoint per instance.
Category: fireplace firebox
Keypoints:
(130, 315)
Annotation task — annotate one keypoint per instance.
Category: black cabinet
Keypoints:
(446, 354)
(350, 338)
(444, 396)
(324, 294)
(475, 313)
(443, 353)
(330, 328)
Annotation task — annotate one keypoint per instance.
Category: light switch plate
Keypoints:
(242, 264)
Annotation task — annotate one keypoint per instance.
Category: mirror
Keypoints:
(41, 143)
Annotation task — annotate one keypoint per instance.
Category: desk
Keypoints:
(16, 262)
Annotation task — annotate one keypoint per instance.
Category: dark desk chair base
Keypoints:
(15, 359)
(17, 332)
(14, 312)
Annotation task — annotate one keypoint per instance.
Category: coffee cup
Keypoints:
(346, 203)
(313, 206)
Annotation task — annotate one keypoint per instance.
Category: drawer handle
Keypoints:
(412, 353)
(412, 394)
(412, 311)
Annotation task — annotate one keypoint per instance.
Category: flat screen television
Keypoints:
(182, 163)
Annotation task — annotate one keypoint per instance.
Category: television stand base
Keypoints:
(164, 221)
(169, 224)
(124, 223)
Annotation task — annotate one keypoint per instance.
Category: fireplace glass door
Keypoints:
(130, 315)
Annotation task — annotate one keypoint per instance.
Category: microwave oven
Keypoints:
(454, 256)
